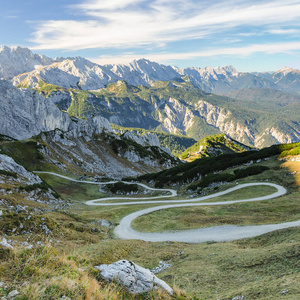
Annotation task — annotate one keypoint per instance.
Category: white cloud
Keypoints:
(132, 23)
(94, 5)
(284, 31)
(271, 48)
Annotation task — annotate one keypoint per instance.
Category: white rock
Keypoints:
(104, 223)
(134, 278)
(5, 244)
(147, 139)
(8, 164)
(24, 113)
(12, 294)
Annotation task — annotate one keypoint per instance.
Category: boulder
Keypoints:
(104, 223)
(5, 244)
(134, 278)
(12, 294)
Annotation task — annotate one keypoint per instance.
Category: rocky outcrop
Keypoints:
(92, 147)
(146, 139)
(223, 120)
(24, 113)
(277, 136)
(62, 99)
(178, 117)
(134, 278)
(8, 164)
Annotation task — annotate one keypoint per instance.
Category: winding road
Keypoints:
(216, 233)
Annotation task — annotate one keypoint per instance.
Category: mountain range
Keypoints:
(25, 68)
(258, 109)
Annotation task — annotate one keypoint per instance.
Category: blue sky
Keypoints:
(250, 35)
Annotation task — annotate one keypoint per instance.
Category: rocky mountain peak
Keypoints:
(16, 60)
(143, 71)
(284, 71)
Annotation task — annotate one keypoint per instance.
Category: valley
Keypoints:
(78, 229)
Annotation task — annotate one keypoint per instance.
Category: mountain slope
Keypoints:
(73, 144)
(180, 108)
(85, 89)
(79, 72)
(144, 72)
(104, 154)
(176, 143)
(205, 171)
(287, 79)
(265, 97)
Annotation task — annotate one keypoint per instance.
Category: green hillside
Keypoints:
(212, 146)
(205, 171)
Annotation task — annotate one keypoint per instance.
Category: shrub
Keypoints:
(123, 188)
(212, 178)
(253, 170)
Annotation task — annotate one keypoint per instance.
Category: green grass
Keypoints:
(245, 193)
(73, 190)
(27, 154)
(250, 213)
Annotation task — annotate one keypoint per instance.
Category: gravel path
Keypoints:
(216, 233)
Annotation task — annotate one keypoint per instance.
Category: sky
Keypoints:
(251, 35)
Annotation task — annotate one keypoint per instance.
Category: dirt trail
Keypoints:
(216, 233)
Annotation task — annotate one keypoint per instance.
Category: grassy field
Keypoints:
(73, 190)
(285, 209)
